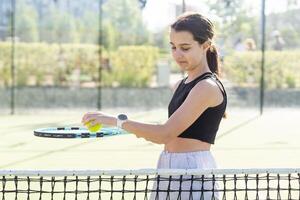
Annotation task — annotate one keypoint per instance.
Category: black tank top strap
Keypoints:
(223, 88)
(220, 85)
(199, 78)
(215, 78)
(183, 81)
(204, 76)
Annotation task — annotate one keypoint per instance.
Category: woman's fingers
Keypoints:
(84, 118)
(90, 116)
(94, 122)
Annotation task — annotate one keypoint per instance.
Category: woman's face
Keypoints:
(186, 51)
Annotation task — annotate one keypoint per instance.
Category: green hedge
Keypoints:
(53, 64)
(131, 66)
(5, 54)
(282, 68)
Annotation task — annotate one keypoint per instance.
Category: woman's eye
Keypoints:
(182, 49)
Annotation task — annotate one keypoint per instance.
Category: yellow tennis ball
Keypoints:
(93, 128)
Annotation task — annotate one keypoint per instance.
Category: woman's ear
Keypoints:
(206, 45)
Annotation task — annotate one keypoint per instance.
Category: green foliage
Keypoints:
(234, 20)
(66, 28)
(288, 24)
(78, 22)
(5, 72)
(36, 63)
(281, 68)
(88, 28)
(110, 35)
(132, 66)
(237, 19)
(126, 18)
(161, 40)
(26, 23)
(58, 26)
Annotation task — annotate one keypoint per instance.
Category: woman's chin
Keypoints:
(183, 65)
(182, 68)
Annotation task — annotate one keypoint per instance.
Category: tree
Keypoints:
(289, 29)
(47, 24)
(126, 18)
(110, 36)
(58, 26)
(235, 20)
(66, 31)
(26, 22)
(88, 27)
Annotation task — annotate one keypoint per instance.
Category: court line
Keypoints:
(239, 126)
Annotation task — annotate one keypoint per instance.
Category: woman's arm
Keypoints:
(201, 97)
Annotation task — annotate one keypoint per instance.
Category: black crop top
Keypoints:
(207, 124)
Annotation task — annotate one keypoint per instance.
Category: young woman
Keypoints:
(196, 108)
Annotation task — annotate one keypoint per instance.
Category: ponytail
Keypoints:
(213, 63)
(213, 60)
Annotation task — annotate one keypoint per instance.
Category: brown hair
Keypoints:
(202, 30)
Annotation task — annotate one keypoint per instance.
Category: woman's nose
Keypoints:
(177, 53)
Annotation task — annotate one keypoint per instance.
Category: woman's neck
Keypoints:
(196, 72)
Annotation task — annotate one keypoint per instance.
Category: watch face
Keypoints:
(122, 117)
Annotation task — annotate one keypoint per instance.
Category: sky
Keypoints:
(159, 13)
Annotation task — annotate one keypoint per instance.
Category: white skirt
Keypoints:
(189, 160)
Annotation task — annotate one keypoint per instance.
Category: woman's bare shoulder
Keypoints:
(210, 89)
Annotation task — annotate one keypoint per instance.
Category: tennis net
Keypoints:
(151, 184)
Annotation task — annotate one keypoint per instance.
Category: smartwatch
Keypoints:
(121, 119)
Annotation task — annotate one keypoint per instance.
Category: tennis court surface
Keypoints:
(245, 141)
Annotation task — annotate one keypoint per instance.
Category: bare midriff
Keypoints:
(181, 145)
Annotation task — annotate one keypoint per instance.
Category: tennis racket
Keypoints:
(76, 132)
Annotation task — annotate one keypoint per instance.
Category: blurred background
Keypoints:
(115, 53)
(61, 58)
